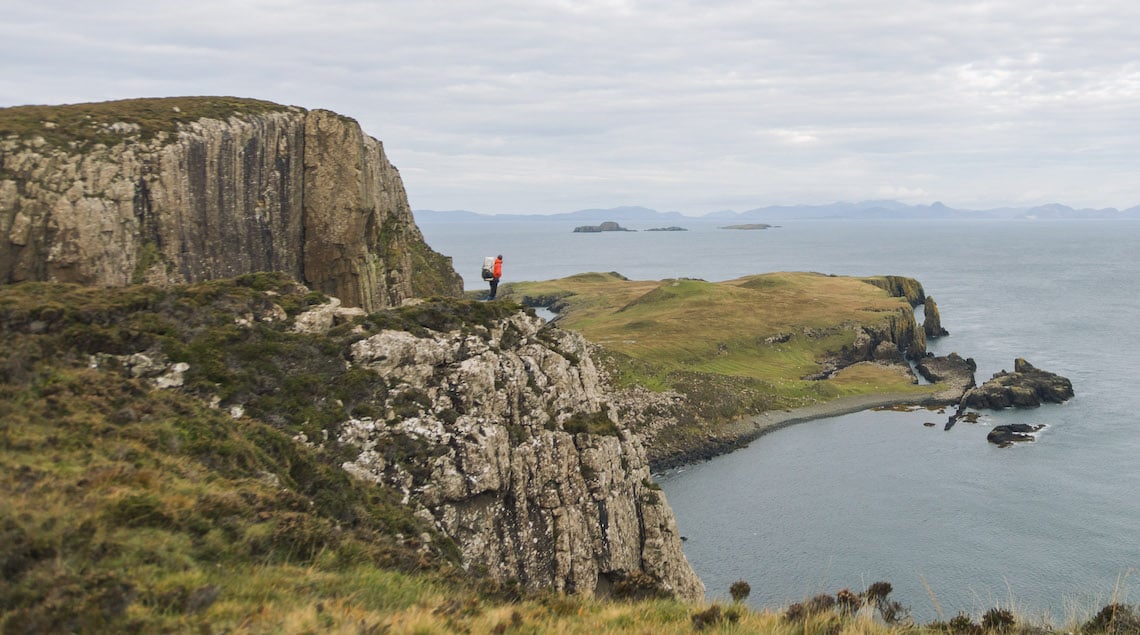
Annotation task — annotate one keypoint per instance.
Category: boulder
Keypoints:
(1006, 435)
(1025, 387)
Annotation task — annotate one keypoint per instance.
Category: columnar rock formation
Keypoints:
(147, 191)
(932, 320)
(507, 442)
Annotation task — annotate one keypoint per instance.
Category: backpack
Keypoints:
(488, 267)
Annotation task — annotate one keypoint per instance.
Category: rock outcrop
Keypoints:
(953, 372)
(503, 437)
(1004, 436)
(900, 287)
(902, 328)
(1025, 387)
(932, 320)
(179, 190)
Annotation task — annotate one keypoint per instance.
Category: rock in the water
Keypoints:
(1025, 387)
(932, 320)
(1006, 435)
(953, 372)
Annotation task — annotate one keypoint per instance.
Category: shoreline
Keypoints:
(740, 433)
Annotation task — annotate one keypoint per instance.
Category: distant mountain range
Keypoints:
(865, 210)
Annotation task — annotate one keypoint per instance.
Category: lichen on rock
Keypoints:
(475, 432)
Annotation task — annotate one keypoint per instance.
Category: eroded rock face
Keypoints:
(302, 192)
(932, 320)
(1025, 387)
(504, 438)
(953, 372)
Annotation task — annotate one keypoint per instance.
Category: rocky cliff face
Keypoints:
(110, 194)
(503, 437)
(932, 319)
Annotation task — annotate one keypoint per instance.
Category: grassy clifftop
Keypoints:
(774, 329)
(80, 125)
(738, 348)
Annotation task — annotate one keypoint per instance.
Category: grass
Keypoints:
(773, 329)
(124, 508)
(80, 126)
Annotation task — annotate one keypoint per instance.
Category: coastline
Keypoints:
(742, 432)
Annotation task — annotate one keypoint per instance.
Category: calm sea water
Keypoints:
(955, 524)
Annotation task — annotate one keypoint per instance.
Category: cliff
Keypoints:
(709, 355)
(527, 468)
(179, 450)
(179, 190)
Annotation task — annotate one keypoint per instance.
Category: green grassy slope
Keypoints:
(129, 508)
(769, 330)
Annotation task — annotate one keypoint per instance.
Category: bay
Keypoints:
(1051, 529)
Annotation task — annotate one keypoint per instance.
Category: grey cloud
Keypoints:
(533, 105)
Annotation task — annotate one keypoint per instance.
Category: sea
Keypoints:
(1049, 529)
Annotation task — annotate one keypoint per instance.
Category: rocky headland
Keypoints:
(179, 190)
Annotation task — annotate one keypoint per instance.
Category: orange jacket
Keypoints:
(497, 271)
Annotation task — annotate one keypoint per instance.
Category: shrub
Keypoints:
(847, 601)
(740, 590)
(1000, 620)
(963, 625)
(591, 423)
(1114, 619)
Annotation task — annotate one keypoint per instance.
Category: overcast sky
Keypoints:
(556, 105)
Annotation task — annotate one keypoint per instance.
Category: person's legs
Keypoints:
(494, 288)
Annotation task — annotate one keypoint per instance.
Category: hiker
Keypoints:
(496, 273)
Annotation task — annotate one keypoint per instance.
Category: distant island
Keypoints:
(748, 226)
(672, 228)
(608, 226)
(774, 214)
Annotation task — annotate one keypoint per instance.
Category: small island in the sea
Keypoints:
(672, 228)
(748, 226)
(608, 226)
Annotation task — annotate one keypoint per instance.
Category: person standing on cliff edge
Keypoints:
(496, 273)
